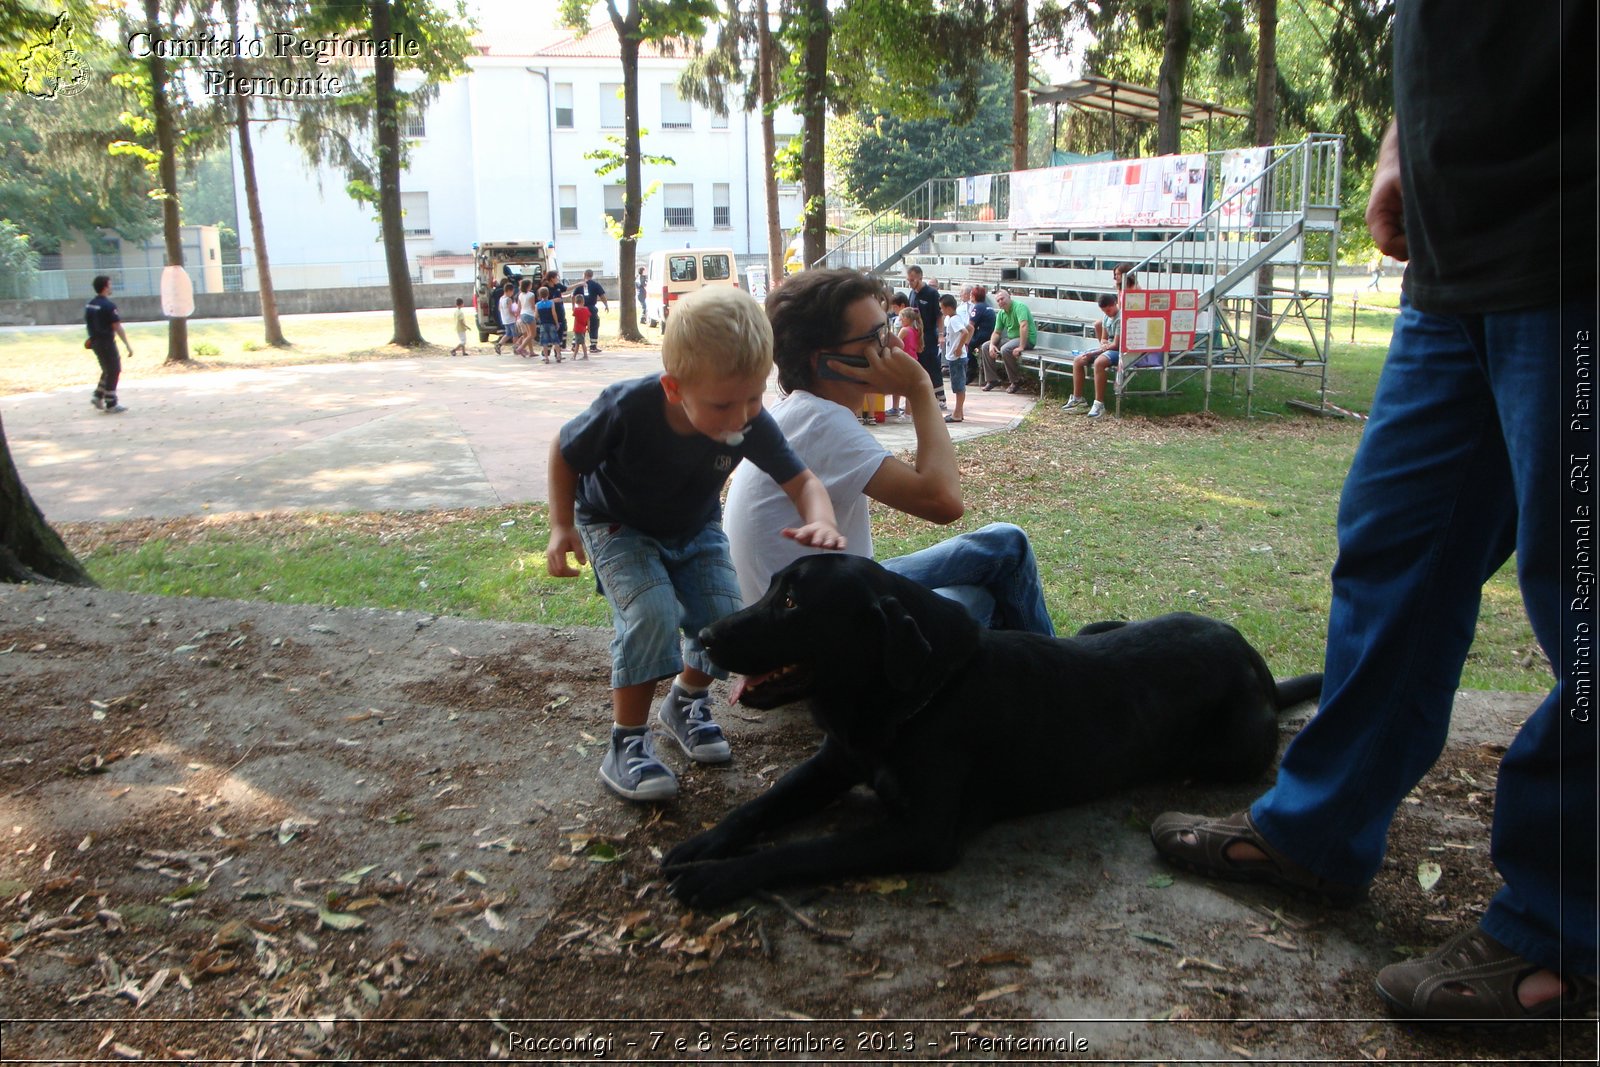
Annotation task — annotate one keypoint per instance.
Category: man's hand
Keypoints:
(564, 539)
(1385, 216)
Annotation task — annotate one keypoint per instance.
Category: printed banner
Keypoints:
(1241, 193)
(1165, 191)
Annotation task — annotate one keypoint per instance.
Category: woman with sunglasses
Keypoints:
(833, 345)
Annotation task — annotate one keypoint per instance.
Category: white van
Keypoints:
(673, 273)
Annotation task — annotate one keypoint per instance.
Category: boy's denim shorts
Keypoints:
(549, 334)
(957, 369)
(661, 595)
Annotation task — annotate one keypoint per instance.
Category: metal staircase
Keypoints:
(1261, 259)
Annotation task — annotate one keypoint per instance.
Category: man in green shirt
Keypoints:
(1014, 333)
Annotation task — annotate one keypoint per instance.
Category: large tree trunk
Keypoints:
(1266, 122)
(1019, 84)
(632, 171)
(30, 551)
(769, 143)
(272, 329)
(166, 144)
(1169, 82)
(814, 127)
(406, 330)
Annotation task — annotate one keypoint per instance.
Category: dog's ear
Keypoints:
(906, 651)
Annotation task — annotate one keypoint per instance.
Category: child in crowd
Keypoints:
(549, 331)
(953, 350)
(508, 317)
(526, 316)
(635, 487)
(908, 327)
(1107, 332)
(580, 331)
(461, 327)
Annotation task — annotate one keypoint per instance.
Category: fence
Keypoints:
(75, 282)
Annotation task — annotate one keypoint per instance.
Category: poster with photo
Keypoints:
(1159, 320)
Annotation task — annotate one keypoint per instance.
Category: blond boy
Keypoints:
(635, 486)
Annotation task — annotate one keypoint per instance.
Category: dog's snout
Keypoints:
(707, 638)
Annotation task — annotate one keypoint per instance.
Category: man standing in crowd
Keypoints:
(925, 301)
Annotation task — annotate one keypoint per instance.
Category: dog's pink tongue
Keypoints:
(737, 691)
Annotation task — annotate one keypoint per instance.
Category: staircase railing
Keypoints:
(935, 204)
(1297, 191)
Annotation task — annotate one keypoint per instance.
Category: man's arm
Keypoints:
(1385, 216)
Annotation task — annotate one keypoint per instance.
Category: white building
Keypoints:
(499, 155)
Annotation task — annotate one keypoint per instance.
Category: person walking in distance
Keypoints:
(105, 326)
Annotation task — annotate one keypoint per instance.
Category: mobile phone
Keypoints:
(826, 360)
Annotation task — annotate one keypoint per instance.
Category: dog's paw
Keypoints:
(711, 845)
(708, 885)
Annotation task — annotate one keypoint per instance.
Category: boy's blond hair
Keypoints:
(717, 332)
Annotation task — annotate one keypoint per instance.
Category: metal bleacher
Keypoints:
(1260, 258)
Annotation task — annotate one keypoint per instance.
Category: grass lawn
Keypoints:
(1167, 508)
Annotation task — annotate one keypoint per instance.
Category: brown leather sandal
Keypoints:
(1199, 844)
(1474, 978)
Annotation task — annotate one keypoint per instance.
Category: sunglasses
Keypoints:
(879, 336)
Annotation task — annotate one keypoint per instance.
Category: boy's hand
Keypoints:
(819, 534)
(564, 540)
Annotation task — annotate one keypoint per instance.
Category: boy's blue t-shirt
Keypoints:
(546, 310)
(634, 469)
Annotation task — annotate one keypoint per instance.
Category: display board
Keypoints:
(1165, 191)
(1159, 320)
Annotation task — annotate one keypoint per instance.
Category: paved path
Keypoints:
(372, 436)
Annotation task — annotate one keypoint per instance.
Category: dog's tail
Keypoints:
(1297, 690)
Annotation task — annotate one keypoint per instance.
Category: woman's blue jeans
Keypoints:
(991, 572)
(1459, 466)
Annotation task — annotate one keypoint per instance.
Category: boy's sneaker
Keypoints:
(115, 409)
(1096, 410)
(632, 771)
(1072, 402)
(688, 720)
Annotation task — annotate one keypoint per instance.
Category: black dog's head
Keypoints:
(839, 626)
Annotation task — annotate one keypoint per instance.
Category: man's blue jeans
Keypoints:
(991, 572)
(1458, 467)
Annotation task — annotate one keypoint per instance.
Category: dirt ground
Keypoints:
(239, 832)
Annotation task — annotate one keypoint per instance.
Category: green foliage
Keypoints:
(18, 261)
(878, 158)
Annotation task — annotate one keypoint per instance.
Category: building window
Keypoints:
(679, 210)
(611, 105)
(415, 208)
(721, 210)
(676, 113)
(613, 195)
(719, 122)
(413, 127)
(563, 91)
(569, 207)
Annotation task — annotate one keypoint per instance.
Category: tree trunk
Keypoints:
(1019, 84)
(30, 551)
(271, 327)
(632, 171)
(166, 144)
(814, 127)
(1266, 122)
(406, 330)
(1169, 82)
(769, 143)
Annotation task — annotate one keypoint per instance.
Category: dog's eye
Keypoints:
(788, 601)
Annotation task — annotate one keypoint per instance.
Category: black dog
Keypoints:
(954, 726)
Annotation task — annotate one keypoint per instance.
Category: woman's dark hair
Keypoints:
(807, 315)
(1126, 270)
(100, 282)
